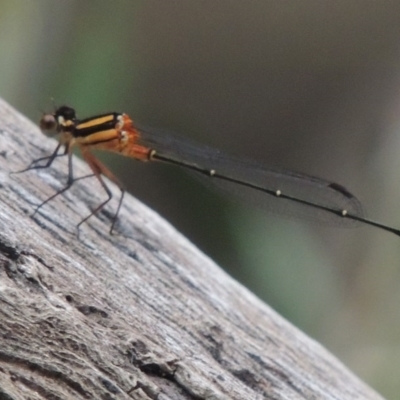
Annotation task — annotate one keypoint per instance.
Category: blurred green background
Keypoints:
(312, 86)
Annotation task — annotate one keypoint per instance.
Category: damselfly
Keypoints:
(282, 191)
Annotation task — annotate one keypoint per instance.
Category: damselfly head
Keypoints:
(62, 117)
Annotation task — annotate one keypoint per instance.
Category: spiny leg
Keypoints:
(100, 169)
(70, 181)
(49, 159)
(64, 189)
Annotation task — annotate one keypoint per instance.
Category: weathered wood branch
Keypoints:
(140, 315)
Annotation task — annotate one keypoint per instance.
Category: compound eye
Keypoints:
(66, 112)
(48, 122)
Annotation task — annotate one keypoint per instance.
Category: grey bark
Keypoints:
(138, 315)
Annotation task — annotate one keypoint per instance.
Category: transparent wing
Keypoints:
(246, 173)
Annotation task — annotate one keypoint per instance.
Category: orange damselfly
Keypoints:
(285, 192)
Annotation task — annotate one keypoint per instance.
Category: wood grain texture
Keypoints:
(139, 315)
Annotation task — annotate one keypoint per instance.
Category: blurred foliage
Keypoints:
(311, 86)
